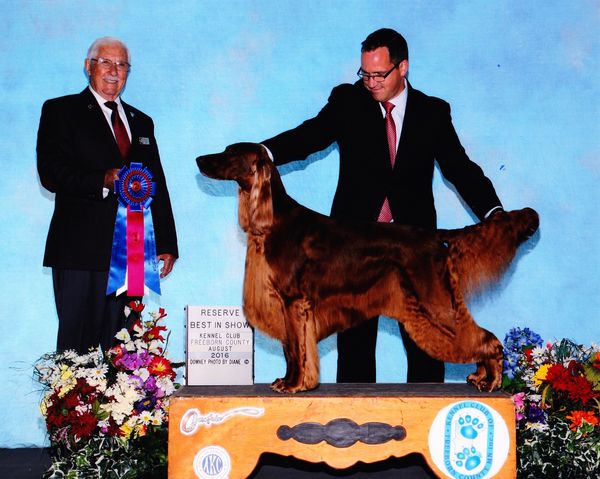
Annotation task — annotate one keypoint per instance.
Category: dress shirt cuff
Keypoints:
(268, 152)
(495, 209)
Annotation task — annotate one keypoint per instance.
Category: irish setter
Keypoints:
(308, 275)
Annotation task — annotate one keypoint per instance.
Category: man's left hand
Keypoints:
(168, 262)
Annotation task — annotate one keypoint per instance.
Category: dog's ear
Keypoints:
(255, 213)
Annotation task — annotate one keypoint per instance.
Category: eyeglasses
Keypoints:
(378, 77)
(107, 64)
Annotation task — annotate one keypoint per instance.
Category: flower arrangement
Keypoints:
(106, 413)
(556, 391)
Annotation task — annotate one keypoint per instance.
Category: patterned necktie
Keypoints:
(385, 215)
(121, 136)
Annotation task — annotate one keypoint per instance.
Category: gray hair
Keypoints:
(103, 41)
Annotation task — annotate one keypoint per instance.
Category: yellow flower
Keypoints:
(65, 372)
(126, 430)
(44, 406)
(540, 374)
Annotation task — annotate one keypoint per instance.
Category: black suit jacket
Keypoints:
(75, 147)
(354, 120)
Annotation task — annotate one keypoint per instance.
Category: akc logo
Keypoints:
(212, 462)
(469, 440)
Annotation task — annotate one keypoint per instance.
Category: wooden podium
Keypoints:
(218, 432)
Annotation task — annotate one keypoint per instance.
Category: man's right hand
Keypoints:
(109, 178)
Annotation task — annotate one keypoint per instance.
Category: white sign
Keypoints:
(220, 346)
(469, 440)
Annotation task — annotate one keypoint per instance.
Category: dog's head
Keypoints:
(239, 162)
(523, 223)
(249, 165)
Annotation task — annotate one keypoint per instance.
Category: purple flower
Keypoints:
(130, 361)
(145, 358)
(150, 384)
(146, 404)
(136, 381)
(536, 414)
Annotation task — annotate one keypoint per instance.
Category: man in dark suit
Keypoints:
(81, 147)
(386, 170)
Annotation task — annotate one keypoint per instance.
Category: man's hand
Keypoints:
(168, 262)
(109, 178)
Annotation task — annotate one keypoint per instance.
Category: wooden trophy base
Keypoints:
(218, 432)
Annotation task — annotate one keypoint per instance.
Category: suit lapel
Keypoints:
(97, 123)
(372, 129)
(130, 114)
(408, 125)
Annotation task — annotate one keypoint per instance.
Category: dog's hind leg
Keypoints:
(474, 343)
(300, 348)
(445, 329)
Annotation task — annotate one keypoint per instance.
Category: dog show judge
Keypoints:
(83, 141)
(389, 136)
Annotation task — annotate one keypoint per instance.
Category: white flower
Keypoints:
(143, 373)
(166, 385)
(154, 347)
(138, 329)
(157, 418)
(99, 384)
(537, 426)
(104, 423)
(123, 335)
(145, 417)
(69, 354)
(83, 408)
(98, 372)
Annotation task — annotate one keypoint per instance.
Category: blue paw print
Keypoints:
(469, 426)
(469, 458)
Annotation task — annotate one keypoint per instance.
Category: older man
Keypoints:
(83, 142)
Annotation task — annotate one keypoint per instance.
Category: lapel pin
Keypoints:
(144, 141)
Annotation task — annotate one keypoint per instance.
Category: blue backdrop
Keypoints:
(522, 78)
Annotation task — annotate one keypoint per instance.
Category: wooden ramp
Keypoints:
(218, 432)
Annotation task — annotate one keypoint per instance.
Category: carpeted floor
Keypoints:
(30, 463)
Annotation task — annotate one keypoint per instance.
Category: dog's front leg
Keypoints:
(300, 349)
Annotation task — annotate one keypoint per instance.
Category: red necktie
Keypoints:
(385, 216)
(120, 131)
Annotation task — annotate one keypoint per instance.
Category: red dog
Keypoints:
(308, 275)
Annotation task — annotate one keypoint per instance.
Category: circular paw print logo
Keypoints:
(468, 458)
(469, 440)
(469, 426)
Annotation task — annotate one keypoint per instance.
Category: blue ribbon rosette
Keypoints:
(133, 262)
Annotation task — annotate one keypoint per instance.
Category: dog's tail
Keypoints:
(482, 252)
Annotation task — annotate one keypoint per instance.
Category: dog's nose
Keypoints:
(205, 163)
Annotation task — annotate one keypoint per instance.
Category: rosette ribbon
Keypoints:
(133, 261)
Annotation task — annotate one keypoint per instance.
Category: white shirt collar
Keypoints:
(399, 101)
(101, 100)
(108, 112)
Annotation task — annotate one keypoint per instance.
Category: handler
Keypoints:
(389, 136)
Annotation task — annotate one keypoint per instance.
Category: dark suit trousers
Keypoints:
(87, 317)
(356, 357)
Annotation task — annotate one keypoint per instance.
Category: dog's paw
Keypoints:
(484, 384)
(280, 385)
